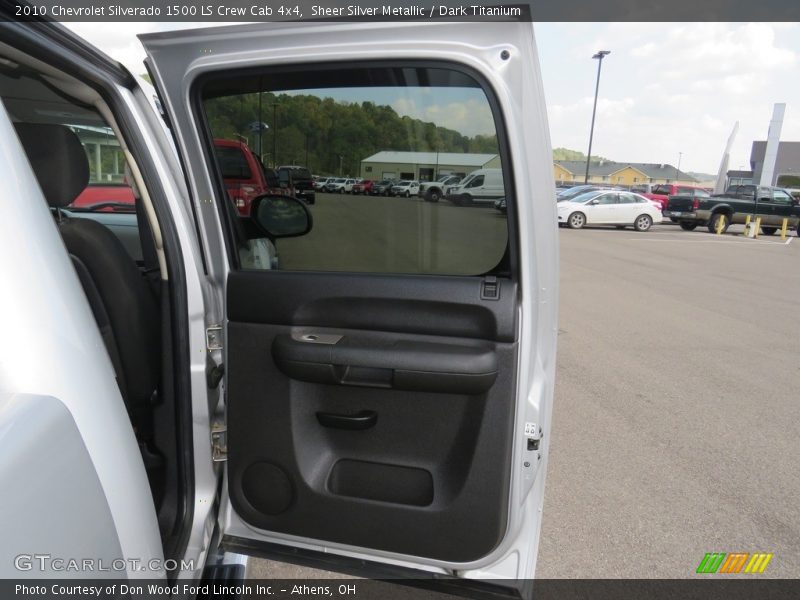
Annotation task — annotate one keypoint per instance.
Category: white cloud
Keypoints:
(470, 117)
(670, 87)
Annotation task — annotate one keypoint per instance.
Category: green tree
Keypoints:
(323, 129)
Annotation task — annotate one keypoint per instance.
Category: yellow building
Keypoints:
(618, 173)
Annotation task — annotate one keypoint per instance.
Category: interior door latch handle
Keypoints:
(357, 422)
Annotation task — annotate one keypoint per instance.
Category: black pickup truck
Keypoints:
(301, 180)
(772, 204)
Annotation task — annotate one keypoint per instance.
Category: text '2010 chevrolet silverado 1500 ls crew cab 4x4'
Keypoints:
(771, 204)
(379, 402)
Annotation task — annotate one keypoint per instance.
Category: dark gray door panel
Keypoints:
(383, 361)
(447, 306)
(421, 471)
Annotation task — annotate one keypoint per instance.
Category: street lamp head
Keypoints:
(602, 54)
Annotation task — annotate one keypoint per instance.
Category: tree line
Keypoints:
(329, 137)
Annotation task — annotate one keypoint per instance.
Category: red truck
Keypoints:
(363, 187)
(661, 192)
(245, 176)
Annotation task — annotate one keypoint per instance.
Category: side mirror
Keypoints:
(594, 202)
(281, 216)
(284, 179)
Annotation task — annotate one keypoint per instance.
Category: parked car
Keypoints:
(771, 204)
(405, 187)
(363, 187)
(321, 182)
(114, 197)
(479, 187)
(166, 418)
(340, 185)
(382, 187)
(334, 183)
(431, 191)
(300, 180)
(621, 209)
(663, 191)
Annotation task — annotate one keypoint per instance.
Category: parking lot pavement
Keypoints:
(401, 235)
(676, 423)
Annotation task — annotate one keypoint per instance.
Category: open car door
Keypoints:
(389, 384)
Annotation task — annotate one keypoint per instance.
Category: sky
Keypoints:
(668, 91)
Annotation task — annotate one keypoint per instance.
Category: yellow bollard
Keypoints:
(746, 224)
(758, 227)
(720, 224)
(784, 227)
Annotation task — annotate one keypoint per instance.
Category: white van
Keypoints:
(483, 186)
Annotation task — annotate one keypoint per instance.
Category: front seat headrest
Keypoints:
(58, 160)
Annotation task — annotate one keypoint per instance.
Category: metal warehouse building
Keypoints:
(424, 166)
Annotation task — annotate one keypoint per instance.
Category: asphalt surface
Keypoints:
(676, 426)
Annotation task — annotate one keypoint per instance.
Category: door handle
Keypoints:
(357, 422)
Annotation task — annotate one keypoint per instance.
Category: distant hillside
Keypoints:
(332, 136)
(701, 176)
(567, 154)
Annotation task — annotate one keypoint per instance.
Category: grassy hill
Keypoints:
(567, 154)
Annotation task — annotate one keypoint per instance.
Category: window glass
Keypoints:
(781, 197)
(108, 189)
(406, 123)
(30, 101)
(232, 162)
(627, 199)
(581, 198)
(664, 190)
(607, 199)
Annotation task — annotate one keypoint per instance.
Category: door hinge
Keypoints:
(219, 441)
(214, 337)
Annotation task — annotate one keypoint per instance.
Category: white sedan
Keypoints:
(609, 208)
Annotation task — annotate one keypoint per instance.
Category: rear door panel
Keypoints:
(429, 477)
(378, 453)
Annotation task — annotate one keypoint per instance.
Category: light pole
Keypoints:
(275, 135)
(678, 168)
(601, 54)
(258, 128)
